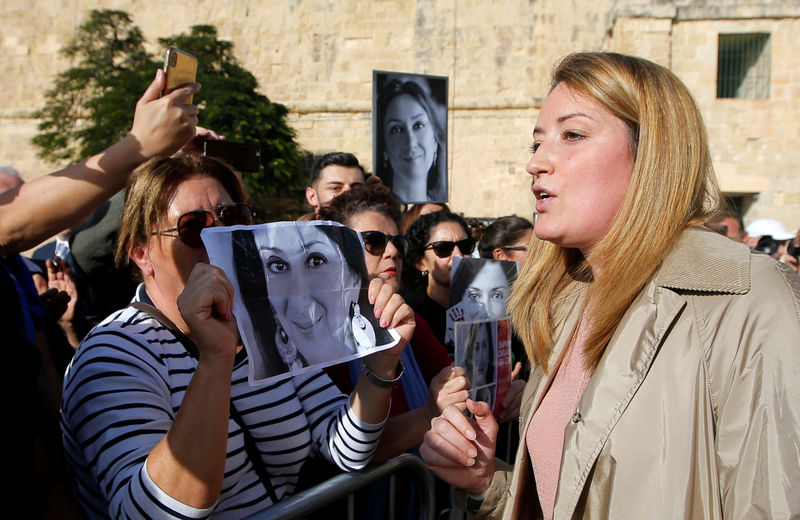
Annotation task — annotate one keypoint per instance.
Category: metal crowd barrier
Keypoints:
(345, 484)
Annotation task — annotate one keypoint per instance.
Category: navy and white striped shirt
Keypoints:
(123, 390)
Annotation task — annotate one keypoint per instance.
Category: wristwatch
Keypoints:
(379, 381)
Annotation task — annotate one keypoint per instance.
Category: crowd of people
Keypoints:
(655, 362)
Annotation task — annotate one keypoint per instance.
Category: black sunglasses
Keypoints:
(190, 224)
(444, 248)
(375, 242)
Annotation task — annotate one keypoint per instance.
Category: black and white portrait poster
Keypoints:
(409, 126)
(479, 289)
(483, 348)
(300, 295)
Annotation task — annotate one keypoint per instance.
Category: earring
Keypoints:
(424, 273)
(282, 333)
(435, 157)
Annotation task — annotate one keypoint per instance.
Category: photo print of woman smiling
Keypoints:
(301, 295)
(410, 135)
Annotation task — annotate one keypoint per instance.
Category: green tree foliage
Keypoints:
(92, 103)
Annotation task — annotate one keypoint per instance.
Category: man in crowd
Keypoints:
(333, 174)
(732, 222)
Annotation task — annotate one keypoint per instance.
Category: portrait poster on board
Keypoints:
(409, 134)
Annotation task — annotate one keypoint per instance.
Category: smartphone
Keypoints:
(181, 69)
(244, 157)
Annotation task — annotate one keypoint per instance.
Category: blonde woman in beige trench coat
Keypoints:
(689, 343)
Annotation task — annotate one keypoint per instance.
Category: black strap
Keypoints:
(249, 443)
(185, 340)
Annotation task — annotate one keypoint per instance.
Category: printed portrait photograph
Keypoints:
(483, 348)
(476, 351)
(409, 123)
(300, 295)
(479, 289)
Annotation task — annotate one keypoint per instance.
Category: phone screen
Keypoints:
(181, 69)
(245, 157)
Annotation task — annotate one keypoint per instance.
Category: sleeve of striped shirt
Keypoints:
(115, 409)
(337, 432)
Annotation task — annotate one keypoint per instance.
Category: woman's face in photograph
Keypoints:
(388, 265)
(439, 268)
(303, 267)
(486, 295)
(581, 166)
(410, 140)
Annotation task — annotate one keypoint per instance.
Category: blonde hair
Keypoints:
(672, 187)
(151, 188)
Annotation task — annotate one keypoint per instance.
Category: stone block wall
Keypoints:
(317, 58)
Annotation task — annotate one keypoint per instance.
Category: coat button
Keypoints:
(576, 417)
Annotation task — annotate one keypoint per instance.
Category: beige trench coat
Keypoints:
(694, 409)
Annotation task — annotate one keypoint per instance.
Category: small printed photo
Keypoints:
(409, 125)
(477, 354)
(483, 348)
(300, 295)
(479, 289)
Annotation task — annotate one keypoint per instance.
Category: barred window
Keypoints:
(743, 65)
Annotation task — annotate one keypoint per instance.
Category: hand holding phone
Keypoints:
(180, 68)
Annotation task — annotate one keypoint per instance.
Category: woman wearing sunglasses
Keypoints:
(506, 238)
(430, 382)
(433, 240)
(158, 418)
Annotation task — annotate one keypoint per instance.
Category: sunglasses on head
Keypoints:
(190, 224)
(375, 242)
(444, 248)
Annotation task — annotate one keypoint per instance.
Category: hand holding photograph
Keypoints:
(301, 295)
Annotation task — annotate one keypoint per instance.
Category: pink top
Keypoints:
(545, 436)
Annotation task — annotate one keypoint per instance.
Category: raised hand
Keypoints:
(206, 305)
(162, 125)
(60, 278)
(449, 386)
(461, 450)
(393, 312)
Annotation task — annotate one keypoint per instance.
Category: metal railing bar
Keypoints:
(310, 500)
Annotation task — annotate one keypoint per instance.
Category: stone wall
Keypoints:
(317, 58)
